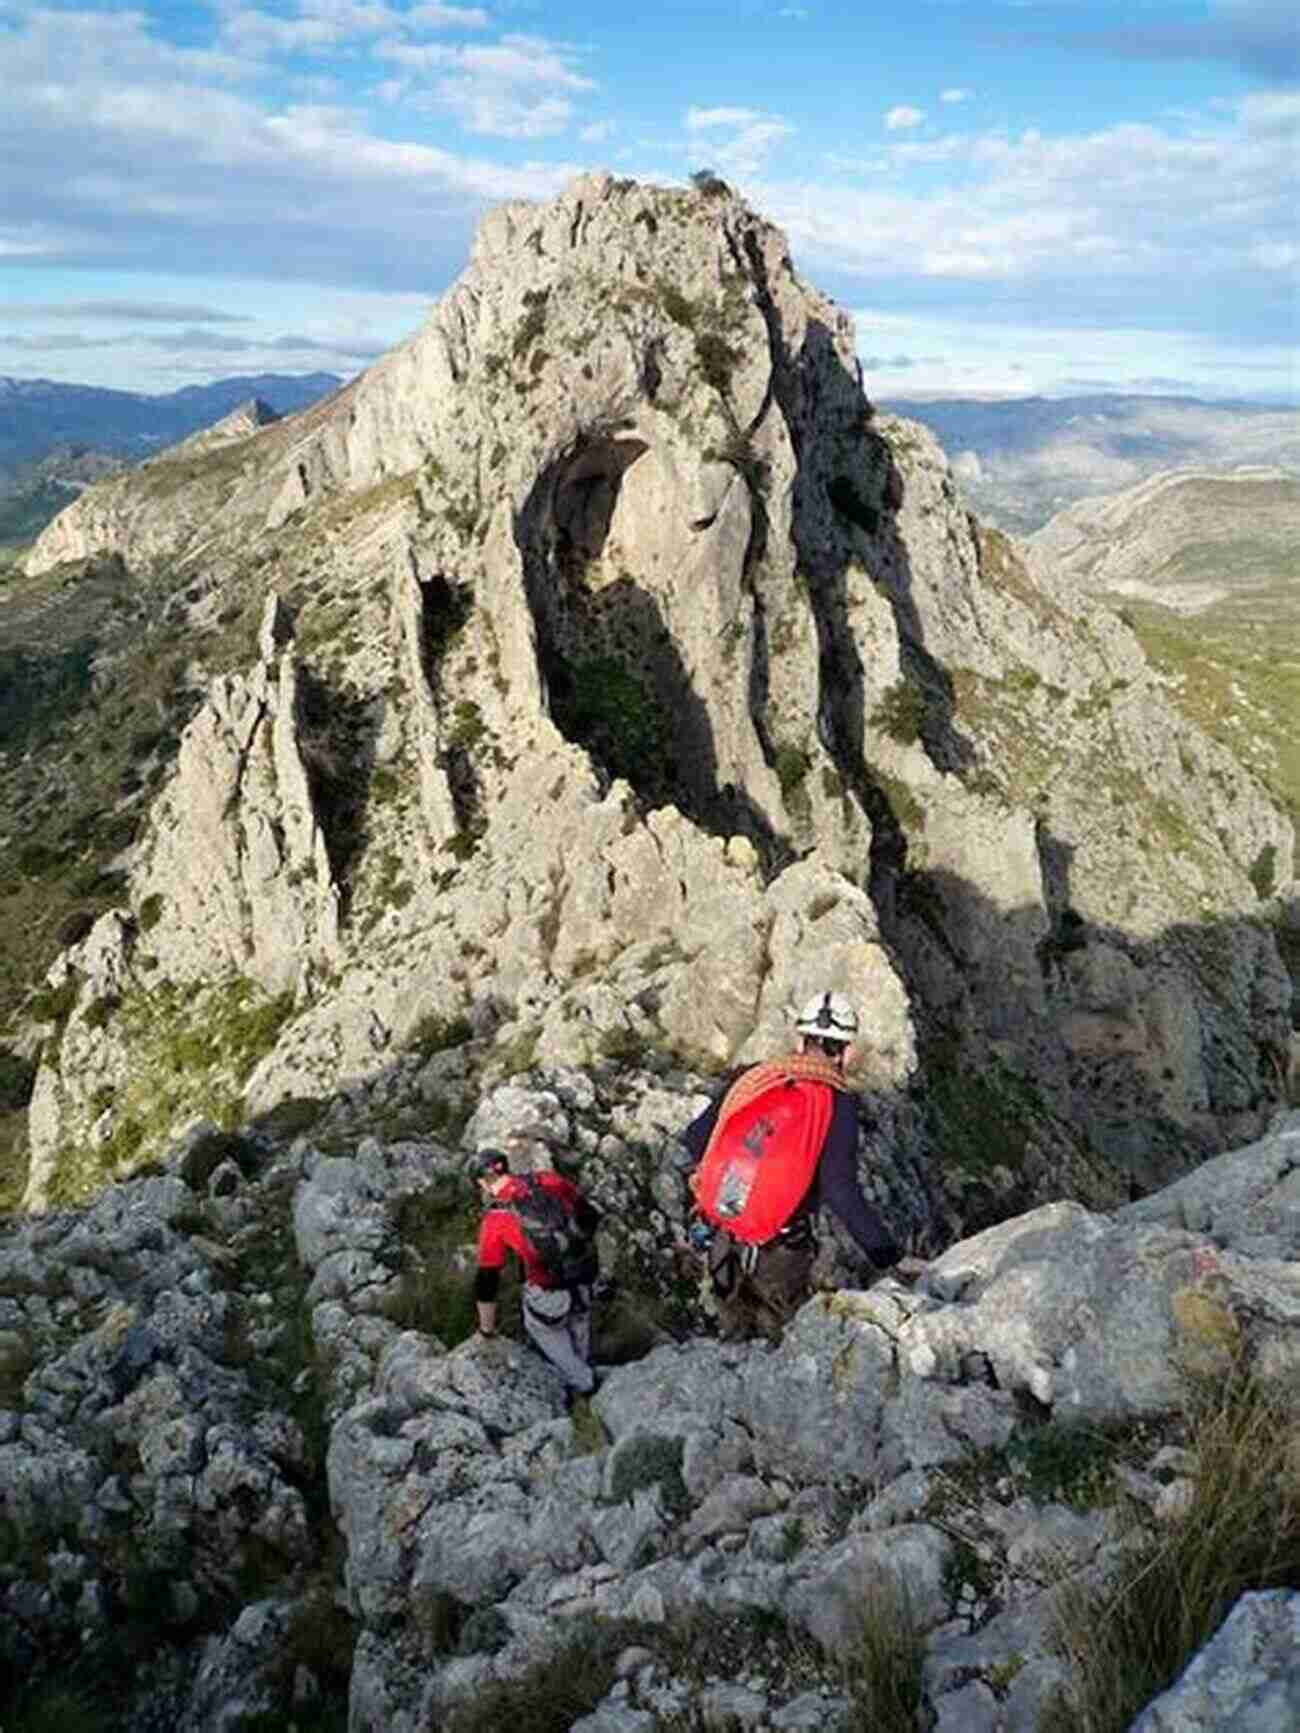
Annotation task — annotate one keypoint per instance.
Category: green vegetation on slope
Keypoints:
(96, 685)
(92, 700)
(24, 515)
(192, 1051)
(1236, 677)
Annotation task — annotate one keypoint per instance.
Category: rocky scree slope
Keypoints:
(615, 677)
(252, 1473)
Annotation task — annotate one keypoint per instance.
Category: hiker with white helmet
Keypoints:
(779, 1144)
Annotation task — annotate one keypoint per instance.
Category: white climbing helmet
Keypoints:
(828, 1017)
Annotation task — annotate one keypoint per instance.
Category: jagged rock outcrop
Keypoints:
(244, 419)
(188, 1367)
(644, 678)
(238, 854)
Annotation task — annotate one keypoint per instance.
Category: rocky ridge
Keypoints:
(620, 677)
(239, 1483)
(1187, 538)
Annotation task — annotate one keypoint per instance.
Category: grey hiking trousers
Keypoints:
(557, 1321)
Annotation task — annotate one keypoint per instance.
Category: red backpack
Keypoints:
(762, 1156)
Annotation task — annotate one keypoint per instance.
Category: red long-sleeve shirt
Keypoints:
(501, 1231)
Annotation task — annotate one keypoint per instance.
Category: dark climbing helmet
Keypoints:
(828, 1017)
(488, 1163)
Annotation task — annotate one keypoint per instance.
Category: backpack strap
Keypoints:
(812, 1067)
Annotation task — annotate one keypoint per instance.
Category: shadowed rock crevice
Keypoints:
(834, 420)
(336, 739)
(444, 609)
(871, 505)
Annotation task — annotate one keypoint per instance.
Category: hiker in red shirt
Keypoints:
(759, 1186)
(544, 1220)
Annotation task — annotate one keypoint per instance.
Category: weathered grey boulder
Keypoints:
(1096, 1319)
(1247, 1676)
(831, 1599)
(1247, 1201)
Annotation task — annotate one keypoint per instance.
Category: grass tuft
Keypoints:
(883, 1678)
(1127, 1640)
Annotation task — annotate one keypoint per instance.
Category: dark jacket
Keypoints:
(835, 1184)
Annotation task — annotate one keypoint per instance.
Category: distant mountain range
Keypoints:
(39, 415)
(1020, 460)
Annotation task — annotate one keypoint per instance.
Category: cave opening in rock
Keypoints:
(615, 679)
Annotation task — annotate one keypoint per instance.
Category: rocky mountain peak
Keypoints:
(244, 419)
(632, 677)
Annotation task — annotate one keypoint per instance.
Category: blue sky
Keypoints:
(1010, 196)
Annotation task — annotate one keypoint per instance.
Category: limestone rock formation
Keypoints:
(1248, 1676)
(643, 678)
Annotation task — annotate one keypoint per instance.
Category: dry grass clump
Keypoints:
(1127, 1640)
(883, 1679)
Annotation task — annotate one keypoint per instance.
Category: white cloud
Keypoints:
(598, 131)
(739, 138)
(252, 32)
(952, 147)
(906, 355)
(139, 312)
(1272, 111)
(1280, 255)
(433, 17)
(186, 167)
(955, 94)
(1166, 211)
(156, 340)
(707, 119)
(519, 87)
(32, 245)
(900, 118)
(320, 25)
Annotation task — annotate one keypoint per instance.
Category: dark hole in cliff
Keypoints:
(586, 493)
(599, 703)
(463, 786)
(615, 681)
(336, 737)
(597, 561)
(444, 610)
